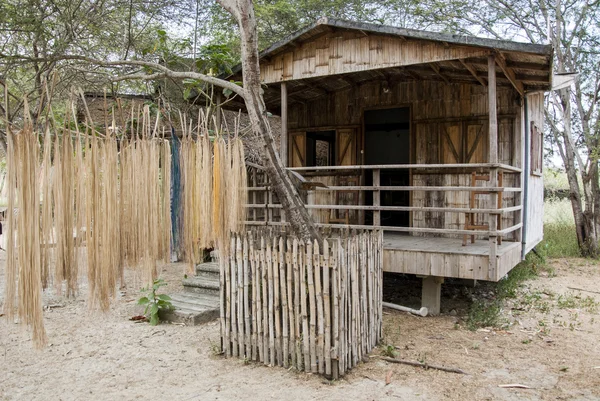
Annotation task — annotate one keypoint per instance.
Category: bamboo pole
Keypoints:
(277, 301)
(272, 350)
(291, 326)
(335, 352)
(255, 296)
(284, 303)
(240, 296)
(303, 293)
(247, 333)
(313, 307)
(297, 314)
(326, 308)
(265, 301)
(319, 297)
(233, 285)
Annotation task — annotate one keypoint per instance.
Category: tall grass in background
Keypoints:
(560, 239)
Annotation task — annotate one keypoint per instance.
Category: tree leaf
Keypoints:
(143, 301)
(164, 297)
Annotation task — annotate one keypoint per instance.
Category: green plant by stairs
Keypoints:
(155, 302)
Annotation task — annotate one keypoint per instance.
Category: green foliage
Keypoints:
(389, 351)
(487, 313)
(484, 314)
(155, 302)
(560, 241)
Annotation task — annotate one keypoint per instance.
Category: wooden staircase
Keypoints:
(199, 301)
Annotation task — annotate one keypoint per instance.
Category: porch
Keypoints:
(447, 231)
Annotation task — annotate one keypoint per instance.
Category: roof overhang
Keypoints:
(444, 57)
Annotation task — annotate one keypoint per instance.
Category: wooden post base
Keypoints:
(431, 294)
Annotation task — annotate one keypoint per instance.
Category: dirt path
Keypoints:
(551, 345)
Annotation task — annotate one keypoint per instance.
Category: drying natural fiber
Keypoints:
(23, 168)
(102, 201)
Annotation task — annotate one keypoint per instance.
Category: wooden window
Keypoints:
(463, 142)
(537, 150)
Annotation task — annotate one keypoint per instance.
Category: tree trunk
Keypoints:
(585, 220)
(288, 195)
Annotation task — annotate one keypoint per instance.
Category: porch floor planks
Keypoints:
(395, 241)
(446, 257)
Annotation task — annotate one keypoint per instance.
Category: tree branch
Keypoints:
(166, 72)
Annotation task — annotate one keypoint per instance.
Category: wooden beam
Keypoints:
(493, 158)
(436, 69)
(411, 72)
(527, 66)
(473, 72)
(509, 73)
(284, 125)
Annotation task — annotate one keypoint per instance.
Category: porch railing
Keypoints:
(264, 209)
(271, 214)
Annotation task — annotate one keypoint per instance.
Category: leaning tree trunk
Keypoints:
(585, 221)
(288, 195)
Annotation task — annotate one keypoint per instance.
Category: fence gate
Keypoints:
(290, 303)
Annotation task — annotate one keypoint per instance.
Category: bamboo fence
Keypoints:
(317, 308)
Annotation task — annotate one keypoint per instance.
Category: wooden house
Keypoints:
(434, 138)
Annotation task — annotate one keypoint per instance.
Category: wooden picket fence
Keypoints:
(290, 303)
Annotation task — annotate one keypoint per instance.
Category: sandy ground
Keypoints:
(550, 343)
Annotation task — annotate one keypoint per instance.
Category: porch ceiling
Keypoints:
(531, 72)
(526, 67)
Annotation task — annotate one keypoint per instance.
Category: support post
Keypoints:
(431, 294)
(493, 158)
(376, 197)
(283, 143)
(219, 100)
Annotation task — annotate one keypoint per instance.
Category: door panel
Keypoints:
(297, 149)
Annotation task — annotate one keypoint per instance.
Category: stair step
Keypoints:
(192, 309)
(202, 285)
(209, 269)
(191, 301)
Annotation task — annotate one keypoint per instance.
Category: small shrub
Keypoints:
(389, 351)
(484, 314)
(155, 302)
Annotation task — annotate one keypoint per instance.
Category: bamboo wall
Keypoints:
(535, 204)
(446, 120)
(289, 303)
(350, 51)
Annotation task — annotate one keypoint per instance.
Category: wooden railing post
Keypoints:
(493, 159)
(376, 197)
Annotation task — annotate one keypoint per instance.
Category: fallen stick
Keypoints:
(581, 289)
(420, 312)
(513, 385)
(423, 365)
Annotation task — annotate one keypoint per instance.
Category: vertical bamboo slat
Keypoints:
(247, 334)
(326, 308)
(255, 299)
(265, 301)
(319, 297)
(272, 349)
(297, 313)
(284, 304)
(233, 301)
(303, 301)
(313, 308)
(277, 302)
(290, 303)
(240, 294)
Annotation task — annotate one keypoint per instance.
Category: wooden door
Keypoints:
(346, 147)
(297, 149)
